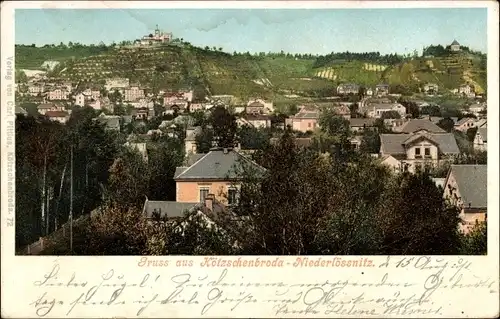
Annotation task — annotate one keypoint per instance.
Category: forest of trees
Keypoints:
(373, 57)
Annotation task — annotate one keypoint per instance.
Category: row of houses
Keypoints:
(466, 89)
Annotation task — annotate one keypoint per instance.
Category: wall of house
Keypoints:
(189, 192)
(304, 125)
(470, 220)
(410, 152)
(190, 147)
(479, 144)
(393, 163)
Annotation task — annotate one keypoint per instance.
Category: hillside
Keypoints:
(243, 75)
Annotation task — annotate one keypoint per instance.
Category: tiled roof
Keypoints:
(420, 124)
(20, 110)
(218, 164)
(385, 106)
(167, 208)
(192, 158)
(455, 42)
(307, 115)
(472, 184)
(463, 121)
(394, 143)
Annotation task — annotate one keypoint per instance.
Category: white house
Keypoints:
(80, 99)
(376, 110)
(420, 149)
(481, 138)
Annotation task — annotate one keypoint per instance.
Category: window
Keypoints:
(427, 151)
(308, 124)
(203, 193)
(232, 196)
(417, 151)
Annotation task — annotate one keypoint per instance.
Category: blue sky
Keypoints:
(294, 30)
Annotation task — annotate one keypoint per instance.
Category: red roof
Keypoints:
(56, 113)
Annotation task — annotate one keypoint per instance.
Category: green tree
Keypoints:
(391, 115)
(334, 135)
(204, 140)
(417, 220)
(128, 180)
(117, 230)
(446, 124)
(224, 127)
(253, 138)
(370, 142)
(471, 134)
(476, 241)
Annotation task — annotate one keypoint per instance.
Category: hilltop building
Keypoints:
(455, 46)
(159, 37)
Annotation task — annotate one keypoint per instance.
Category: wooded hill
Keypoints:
(243, 74)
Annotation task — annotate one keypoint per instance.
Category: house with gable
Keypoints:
(258, 120)
(216, 173)
(58, 116)
(255, 107)
(481, 139)
(455, 46)
(464, 124)
(466, 188)
(382, 89)
(420, 144)
(347, 88)
(305, 120)
(49, 107)
(260, 105)
(376, 110)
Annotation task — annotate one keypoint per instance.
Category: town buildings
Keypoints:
(133, 94)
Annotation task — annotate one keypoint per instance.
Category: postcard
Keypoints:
(249, 159)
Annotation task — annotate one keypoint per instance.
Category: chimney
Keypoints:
(225, 150)
(209, 201)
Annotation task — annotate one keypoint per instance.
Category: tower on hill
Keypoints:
(455, 46)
